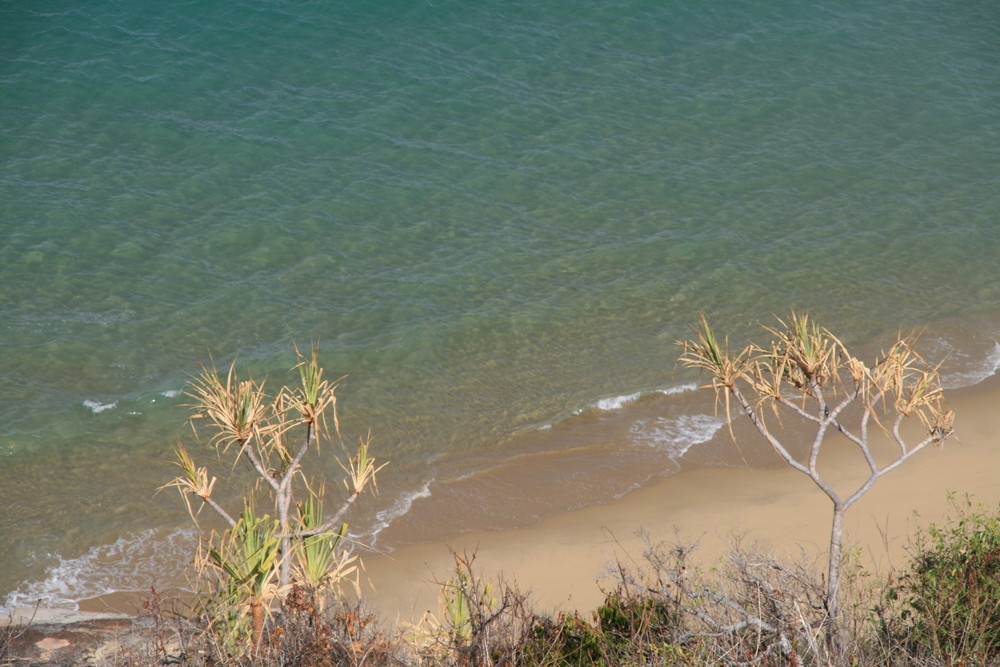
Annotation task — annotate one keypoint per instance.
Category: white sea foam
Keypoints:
(680, 389)
(617, 402)
(398, 509)
(130, 564)
(676, 435)
(967, 377)
(171, 393)
(98, 408)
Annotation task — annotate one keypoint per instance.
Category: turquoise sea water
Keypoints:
(495, 217)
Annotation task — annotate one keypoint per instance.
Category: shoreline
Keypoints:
(560, 560)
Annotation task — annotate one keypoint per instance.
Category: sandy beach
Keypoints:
(562, 558)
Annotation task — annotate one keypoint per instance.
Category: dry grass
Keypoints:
(805, 374)
(659, 609)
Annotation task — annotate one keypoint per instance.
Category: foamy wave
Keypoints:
(676, 435)
(398, 509)
(680, 389)
(170, 393)
(617, 402)
(988, 367)
(130, 564)
(98, 408)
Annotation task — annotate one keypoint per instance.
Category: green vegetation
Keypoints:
(624, 630)
(748, 609)
(807, 375)
(252, 565)
(947, 605)
(273, 593)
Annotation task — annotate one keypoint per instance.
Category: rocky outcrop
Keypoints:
(53, 638)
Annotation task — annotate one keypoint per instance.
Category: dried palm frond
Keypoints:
(361, 469)
(314, 395)
(194, 480)
(914, 387)
(238, 410)
(802, 354)
(707, 354)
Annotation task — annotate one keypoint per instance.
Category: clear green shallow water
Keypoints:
(492, 216)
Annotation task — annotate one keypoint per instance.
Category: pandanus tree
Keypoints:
(256, 559)
(807, 374)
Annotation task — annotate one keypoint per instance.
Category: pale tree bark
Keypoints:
(808, 373)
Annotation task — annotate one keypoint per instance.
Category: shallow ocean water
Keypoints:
(495, 219)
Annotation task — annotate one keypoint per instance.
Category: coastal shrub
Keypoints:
(625, 618)
(308, 632)
(808, 376)
(565, 641)
(482, 623)
(252, 564)
(9, 632)
(465, 601)
(749, 610)
(626, 630)
(317, 634)
(947, 605)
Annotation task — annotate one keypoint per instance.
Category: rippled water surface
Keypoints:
(496, 218)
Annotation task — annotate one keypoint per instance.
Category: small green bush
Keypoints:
(627, 630)
(949, 602)
(565, 641)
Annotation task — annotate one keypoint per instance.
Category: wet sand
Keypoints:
(561, 560)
